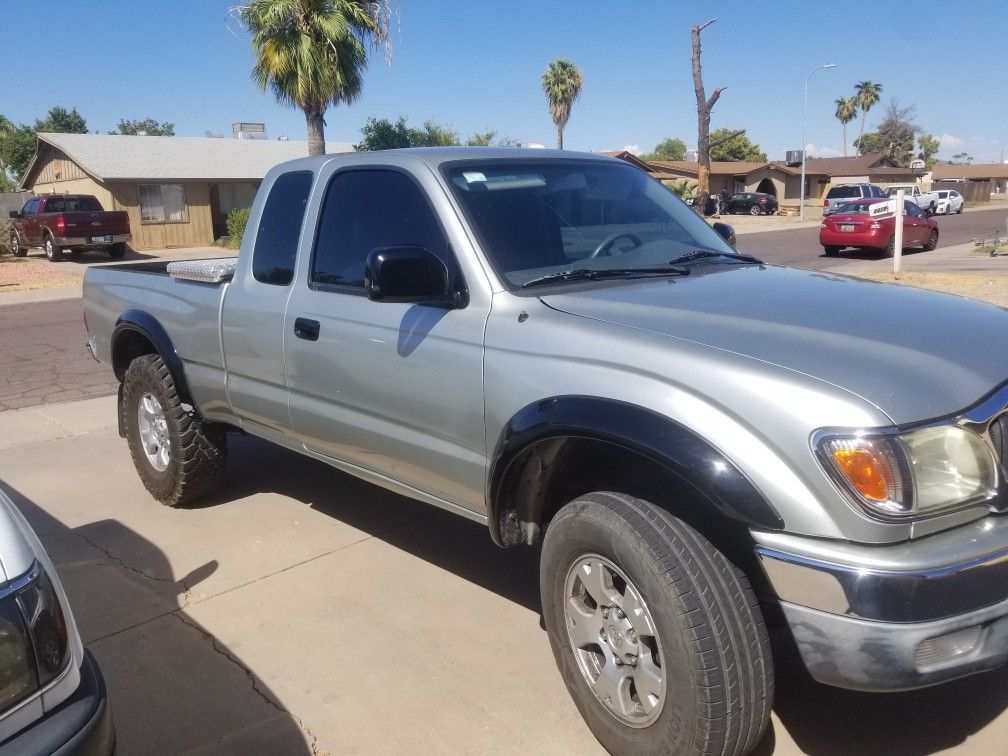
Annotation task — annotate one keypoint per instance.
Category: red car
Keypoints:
(852, 226)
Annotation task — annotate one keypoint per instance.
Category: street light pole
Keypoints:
(801, 206)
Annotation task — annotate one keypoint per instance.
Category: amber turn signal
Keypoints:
(867, 470)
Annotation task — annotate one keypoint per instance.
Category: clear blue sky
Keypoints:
(476, 65)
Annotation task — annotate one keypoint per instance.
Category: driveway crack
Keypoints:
(253, 682)
(184, 599)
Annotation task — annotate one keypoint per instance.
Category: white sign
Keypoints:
(882, 210)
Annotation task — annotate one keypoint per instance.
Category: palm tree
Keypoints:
(562, 84)
(867, 93)
(312, 53)
(846, 110)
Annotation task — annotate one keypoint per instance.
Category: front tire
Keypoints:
(52, 252)
(657, 635)
(16, 247)
(179, 457)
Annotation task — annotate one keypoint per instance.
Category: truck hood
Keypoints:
(914, 354)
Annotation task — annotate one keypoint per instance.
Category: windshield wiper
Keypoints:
(590, 274)
(700, 254)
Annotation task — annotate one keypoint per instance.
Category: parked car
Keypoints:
(555, 345)
(926, 201)
(853, 226)
(949, 201)
(52, 693)
(77, 222)
(752, 203)
(841, 194)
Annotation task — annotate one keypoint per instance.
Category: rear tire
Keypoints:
(890, 249)
(52, 252)
(932, 242)
(754, 210)
(961, 208)
(117, 251)
(831, 251)
(179, 457)
(691, 629)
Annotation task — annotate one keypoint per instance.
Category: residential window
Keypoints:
(163, 203)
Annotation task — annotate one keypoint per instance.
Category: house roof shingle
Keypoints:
(110, 156)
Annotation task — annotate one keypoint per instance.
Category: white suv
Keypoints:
(52, 694)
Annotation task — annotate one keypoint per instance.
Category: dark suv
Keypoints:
(844, 193)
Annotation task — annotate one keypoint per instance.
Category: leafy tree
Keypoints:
(895, 135)
(962, 158)
(312, 53)
(867, 93)
(148, 126)
(6, 185)
(434, 135)
(481, 139)
(667, 149)
(846, 111)
(561, 82)
(17, 144)
(928, 145)
(731, 144)
(383, 134)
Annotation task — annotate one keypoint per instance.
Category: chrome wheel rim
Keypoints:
(153, 427)
(50, 250)
(15, 244)
(615, 640)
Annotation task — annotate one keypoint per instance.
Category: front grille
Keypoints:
(999, 438)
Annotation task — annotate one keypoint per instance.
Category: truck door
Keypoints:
(252, 317)
(30, 228)
(388, 388)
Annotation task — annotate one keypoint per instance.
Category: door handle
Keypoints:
(306, 329)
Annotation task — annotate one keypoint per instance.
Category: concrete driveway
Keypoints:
(305, 611)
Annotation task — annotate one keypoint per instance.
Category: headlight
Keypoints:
(915, 474)
(33, 637)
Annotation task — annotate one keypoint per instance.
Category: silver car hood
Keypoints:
(914, 354)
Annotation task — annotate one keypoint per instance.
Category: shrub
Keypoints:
(4, 237)
(236, 221)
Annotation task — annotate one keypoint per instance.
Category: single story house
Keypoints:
(177, 191)
(781, 179)
(995, 173)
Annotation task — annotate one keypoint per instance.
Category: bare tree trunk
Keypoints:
(844, 124)
(559, 137)
(316, 130)
(704, 106)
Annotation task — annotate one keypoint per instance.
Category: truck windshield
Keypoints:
(538, 217)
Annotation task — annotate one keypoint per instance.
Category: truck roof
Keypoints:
(435, 156)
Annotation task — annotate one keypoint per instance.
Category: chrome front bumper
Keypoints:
(895, 617)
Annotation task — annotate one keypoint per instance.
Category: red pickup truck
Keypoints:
(56, 222)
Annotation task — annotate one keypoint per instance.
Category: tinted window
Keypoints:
(842, 192)
(367, 209)
(30, 206)
(279, 228)
(72, 204)
(913, 210)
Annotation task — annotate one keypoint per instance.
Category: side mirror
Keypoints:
(726, 232)
(408, 274)
(14, 214)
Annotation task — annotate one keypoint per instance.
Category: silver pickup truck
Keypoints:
(555, 345)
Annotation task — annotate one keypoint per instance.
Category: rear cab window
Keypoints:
(843, 192)
(280, 228)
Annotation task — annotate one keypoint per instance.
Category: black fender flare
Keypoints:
(143, 323)
(657, 437)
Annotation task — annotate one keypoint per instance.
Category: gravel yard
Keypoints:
(20, 273)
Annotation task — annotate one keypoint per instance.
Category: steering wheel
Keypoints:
(610, 240)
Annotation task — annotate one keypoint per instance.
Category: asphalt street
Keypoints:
(800, 248)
